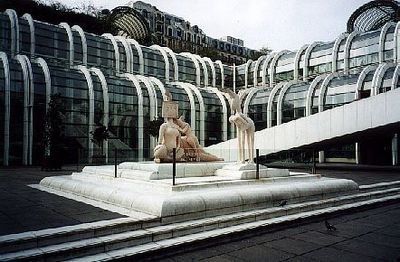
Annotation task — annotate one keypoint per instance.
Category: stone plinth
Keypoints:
(194, 196)
(249, 171)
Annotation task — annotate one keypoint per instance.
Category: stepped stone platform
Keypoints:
(203, 189)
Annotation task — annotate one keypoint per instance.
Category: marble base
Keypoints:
(196, 197)
(249, 171)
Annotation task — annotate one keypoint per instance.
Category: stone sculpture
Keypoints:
(176, 133)
(190, 144)
(245, 128)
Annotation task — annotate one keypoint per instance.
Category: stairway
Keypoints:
(128, 237)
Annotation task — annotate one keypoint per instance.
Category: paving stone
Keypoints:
(260, 253)
(223, 258)
(293, 246)
(392, 230)
(380, 239)
(376, 251)
(334, 255)
(319, 238)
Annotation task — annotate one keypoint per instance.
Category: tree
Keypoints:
(53, 136)
(99, 135)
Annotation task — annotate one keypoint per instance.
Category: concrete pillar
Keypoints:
(395, 147)
(321, 157)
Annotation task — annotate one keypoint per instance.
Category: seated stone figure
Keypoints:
(191, 145)
(168, 139)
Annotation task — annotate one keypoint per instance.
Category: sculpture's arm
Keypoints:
(161, 134)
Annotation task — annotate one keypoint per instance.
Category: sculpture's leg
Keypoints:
(243, 146)
(250, 144)
(239, 138)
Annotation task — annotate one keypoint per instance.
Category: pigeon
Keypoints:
(283, 203)
(329, 226)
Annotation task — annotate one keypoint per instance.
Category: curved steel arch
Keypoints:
(265, 68)
(361, 79)
(202, 111)
(128, 53)
(221, 66)
(175, 62)
(71, 42)
(281, 96)
(382, 38)
(307, 56)
(28, 18)
(395, 79)
(7, 108)
(212, 66)
(160, 86)
(196, 64)
(324, 88)
(166, 61)
(205, 69)
(140, 54)
(273, 66)
(311, 91)
(46, 72)
(347, 48)
(189, 92)
(14, 28)
(28, 108)
(270, 102)
(83, 42)
(224, 112)
(89, 82)
(378, 77)
(335, 50)
(246, 72)
(297, 61)
(116, 51)
(256, 66)
(106, 106)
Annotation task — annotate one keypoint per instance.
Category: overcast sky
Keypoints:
(277, 24)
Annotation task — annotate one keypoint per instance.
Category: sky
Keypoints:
(276, 24)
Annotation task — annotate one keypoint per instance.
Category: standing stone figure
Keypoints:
(245, 128)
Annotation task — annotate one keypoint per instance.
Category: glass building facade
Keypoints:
(114, 81)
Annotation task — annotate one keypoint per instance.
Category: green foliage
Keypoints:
(153, 126)
(99, 135)
(54, 126)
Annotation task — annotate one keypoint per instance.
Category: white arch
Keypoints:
(395, 79)
(396, 43)
(82, 35)
(116, 50)
(128, 53)
(140, 54)
(248, 98)
(46, 72)
(166, 61)
(29, 19)
(297, 61)
(70, 41)
(14, 28)
(106, 105)
(152, 95)
(212, 66)
(196, 64)
(89, 82)
(224, 112)
(202, 110)
(361, 79)
(205, 70)
(7, 85)
(256, 66)
(246, 72)
(175, 62)
(273, 66)
(382, 38)
(265, 68)
(322, 93)
(311, 91)
(192, 103)
(378, 76)
(160, 86)
(136, 83)
(28, 108)
(307, 56)
(221, 67)
(270, 102)
(281, 96)
(335, 50)
(347, 48)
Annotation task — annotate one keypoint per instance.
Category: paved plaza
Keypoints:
(365, 235)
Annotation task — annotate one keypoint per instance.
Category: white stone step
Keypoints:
(130, 252)
(112, 243)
